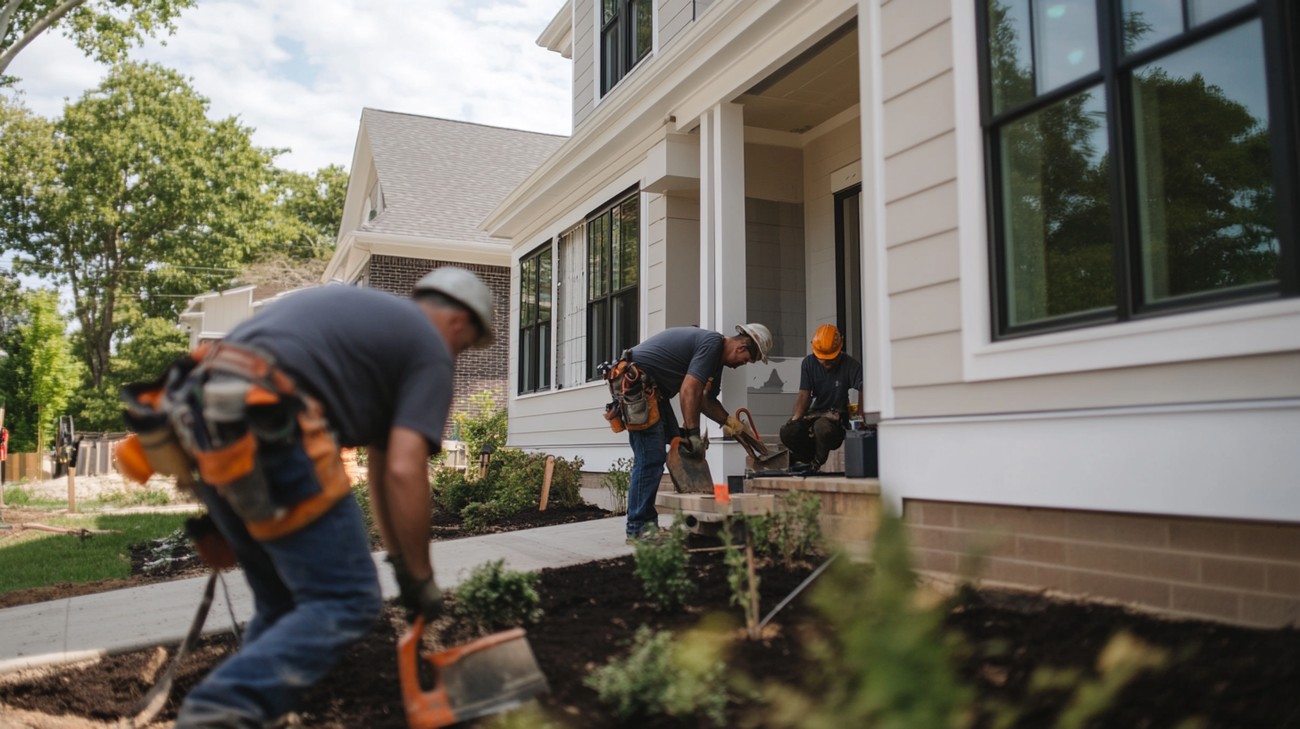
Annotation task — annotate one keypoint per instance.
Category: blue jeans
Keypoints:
(649, 452)
(315, 591)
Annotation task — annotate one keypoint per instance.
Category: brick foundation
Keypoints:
(1232, 571)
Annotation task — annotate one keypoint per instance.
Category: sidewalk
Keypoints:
(160, 614)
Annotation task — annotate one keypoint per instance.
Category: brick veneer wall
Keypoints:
(476, 369)
(1233, 571)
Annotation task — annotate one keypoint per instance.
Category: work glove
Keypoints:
(732, 427)
(211, 546)
(419, 597)
(693, 444)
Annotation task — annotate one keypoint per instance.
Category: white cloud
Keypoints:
(300, 71)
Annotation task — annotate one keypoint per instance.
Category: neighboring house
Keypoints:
(210, 317)
(418, 190)
(1068, 259)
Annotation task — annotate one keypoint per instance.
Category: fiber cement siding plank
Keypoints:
(925, 311)
(923, 214)
(918, 61)
(922, 167)
(925, 262)
(922, 113)
(902, 22)
(927, 360)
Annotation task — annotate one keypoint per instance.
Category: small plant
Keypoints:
(494, 598)
(681, 678)
(661, 566)
(794, 530)
(617, 481)
(483, 423)
(136, 497)
(742, 577)
(361, 492)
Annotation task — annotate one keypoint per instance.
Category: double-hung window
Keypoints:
(1141, 156)
(535, 320)
(626, 34)
(613, 281)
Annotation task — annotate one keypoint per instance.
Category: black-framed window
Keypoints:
(613, 281)
(626, 34)
(1139, 154)
(535, 273)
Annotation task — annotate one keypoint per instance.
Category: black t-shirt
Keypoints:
(674, 353)
(830, 388)
(374, 359)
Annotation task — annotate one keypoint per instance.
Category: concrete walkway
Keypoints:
(160, 614)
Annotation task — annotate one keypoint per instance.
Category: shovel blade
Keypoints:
(689, 475)
(486, 676)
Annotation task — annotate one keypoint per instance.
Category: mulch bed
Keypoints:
(1221, 676)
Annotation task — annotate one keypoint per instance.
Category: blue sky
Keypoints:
(300, 71)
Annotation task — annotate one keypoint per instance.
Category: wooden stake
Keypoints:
(546, 481)
(72, 490)
(751, 610)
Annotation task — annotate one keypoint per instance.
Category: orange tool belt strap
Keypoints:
(271, 385)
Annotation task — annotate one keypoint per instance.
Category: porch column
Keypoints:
(722, 259)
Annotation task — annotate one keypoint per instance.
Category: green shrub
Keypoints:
(483, 423)
(617, 481)
(794, 530)
(361, 492)
(684, 679)
(661, 566)
(742, 577)
(513, 484)
(495, 598)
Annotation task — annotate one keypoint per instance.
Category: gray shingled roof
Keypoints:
(441, 178)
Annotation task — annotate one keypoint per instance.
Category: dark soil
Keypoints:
(1222, 676)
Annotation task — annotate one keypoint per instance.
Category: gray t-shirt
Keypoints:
(674, 353)
(374, 359)
(830, 388)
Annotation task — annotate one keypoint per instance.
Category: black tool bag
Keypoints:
(635, 399)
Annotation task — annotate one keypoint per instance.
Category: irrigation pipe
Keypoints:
(795, 593)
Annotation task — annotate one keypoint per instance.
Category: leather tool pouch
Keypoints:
(155, 447)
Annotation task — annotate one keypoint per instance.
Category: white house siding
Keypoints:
(585, 53)
(672, 18)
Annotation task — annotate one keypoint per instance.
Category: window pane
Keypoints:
(610, 8)
(629, 243)
(527, 291)
(1065, 41)
(1147, 22)
(1056, 211)
(544, 356)
(611, 70)
(626, 322)
(642, 29)
(597, 253)
(527, 364)
(1010, 61)
(544, 286)
(598, 343)
(1202, 11)
(1204, 168)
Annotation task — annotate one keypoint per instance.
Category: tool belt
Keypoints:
(635, 403)
(219, 411)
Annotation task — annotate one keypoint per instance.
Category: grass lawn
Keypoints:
(37, 559)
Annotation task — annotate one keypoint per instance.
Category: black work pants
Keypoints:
(811, 439)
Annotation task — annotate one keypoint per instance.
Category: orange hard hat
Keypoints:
(827, 342)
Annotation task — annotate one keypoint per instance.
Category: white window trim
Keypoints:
(1231, 331)
(598, 57)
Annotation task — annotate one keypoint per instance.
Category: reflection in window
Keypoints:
(613, 281)
(1059, 258)
(1204, 168)
(1153, 188)
(535, 320)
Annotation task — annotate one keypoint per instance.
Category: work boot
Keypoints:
(651, 534)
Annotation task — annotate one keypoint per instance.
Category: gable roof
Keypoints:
(440, 178)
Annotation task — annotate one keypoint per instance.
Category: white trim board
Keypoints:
(1214, 460)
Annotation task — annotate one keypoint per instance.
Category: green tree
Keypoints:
(313, 203)
(136, 195)
(153, 344)
(40, 373)
(103, 29)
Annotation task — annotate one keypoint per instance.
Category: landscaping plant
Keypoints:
(512, 484)
(494, 598)
(616, 481)
(742, 577)
(661, 567)
(794, 530)
(683, 677)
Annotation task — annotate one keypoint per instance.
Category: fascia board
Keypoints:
(558, 36)
(387, 244)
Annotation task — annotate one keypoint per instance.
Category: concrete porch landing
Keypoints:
(850, 507)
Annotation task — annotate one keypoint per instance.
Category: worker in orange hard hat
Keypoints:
(821, 412)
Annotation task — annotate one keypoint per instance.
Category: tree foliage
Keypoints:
(40, 373)
(133, 194)
(154, 344)
(104, 29)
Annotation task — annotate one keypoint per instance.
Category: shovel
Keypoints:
(761, 458)
(690, 475)
(482, 677)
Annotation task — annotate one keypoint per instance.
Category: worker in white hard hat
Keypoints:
(822, 408)
(686, 361)
(330, 366)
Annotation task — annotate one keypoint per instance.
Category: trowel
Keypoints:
(486, 676)
(690, 474)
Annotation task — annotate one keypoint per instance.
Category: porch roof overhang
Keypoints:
(725, 52)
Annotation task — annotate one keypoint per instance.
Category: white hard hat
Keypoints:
(466, 289)
(761, 336)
